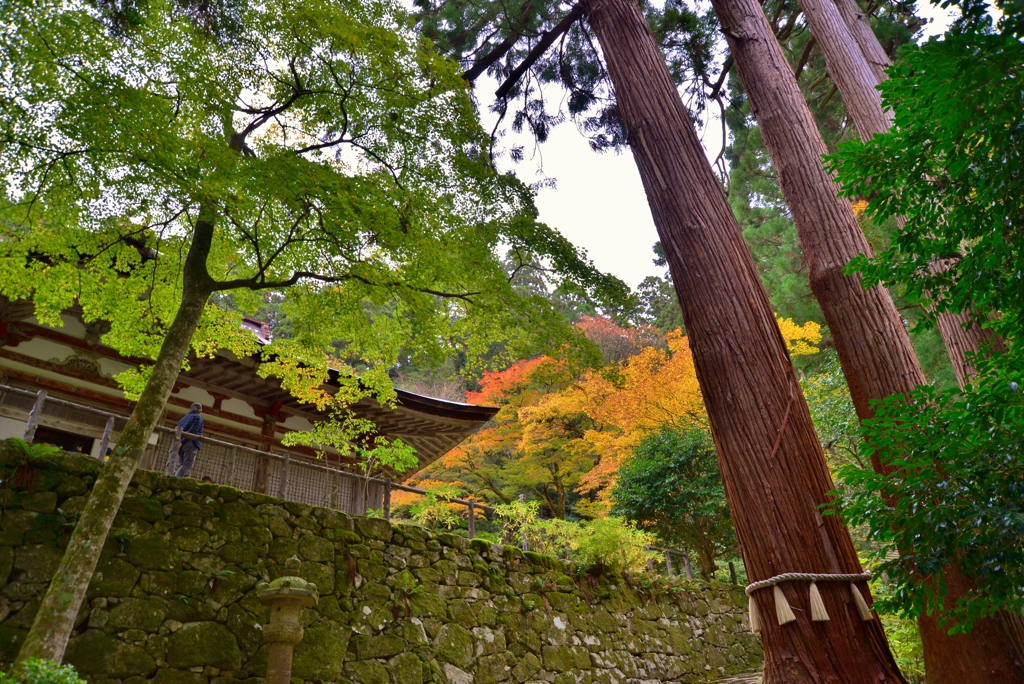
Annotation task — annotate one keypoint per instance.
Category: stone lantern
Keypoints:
(286, 596)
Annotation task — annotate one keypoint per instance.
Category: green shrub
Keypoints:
(34, 671)
(614, 544)
(608, 544)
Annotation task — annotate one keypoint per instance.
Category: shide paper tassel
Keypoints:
(755, 617)
(818, 612)
(862, 605)
(782, 609)
(784, 612)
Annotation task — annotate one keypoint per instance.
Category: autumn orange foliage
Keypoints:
(556, 433)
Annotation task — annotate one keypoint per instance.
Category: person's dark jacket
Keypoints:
(193, 424)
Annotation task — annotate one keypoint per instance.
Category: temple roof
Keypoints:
(431, 426)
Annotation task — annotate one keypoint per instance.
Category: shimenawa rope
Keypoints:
(818, 613)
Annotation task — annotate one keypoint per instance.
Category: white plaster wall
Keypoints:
(46, 350)
(9, 427)
(191, 394)
(238, 406)
(298, 424)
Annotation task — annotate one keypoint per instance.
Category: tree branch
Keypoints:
(259, 282)
(538, 50)
(804, 57)
(726, 66)
(485, 62)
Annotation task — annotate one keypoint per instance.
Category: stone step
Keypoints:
(745, 678)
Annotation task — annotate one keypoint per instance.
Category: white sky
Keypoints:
(598, 201)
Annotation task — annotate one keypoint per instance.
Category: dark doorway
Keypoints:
(68, 441)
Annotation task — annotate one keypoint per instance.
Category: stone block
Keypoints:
(406, 668)
(237, 553)
(526, 668)
(314, 548)
(239, 514)
(147, 509)
(6, 563)
(151, 552)
(491, 669)
(279, 527)
(200, 644)
(40, 502)
(321, 652)
(36, 562)
(74, 505)
(283, 548)
(11, 639)
(138, 613)
(367, 672)
(372, 570)
(454, 644)
(169, 676)
(383, 646)
(488, 641)
(189, 538)
(98, 653)
(559, 658)
(374, 528)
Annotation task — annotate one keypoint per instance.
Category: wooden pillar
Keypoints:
(232, 459)
(472, 520)
(105, 439)
(172, 453)
(34, 416)
(282, 484)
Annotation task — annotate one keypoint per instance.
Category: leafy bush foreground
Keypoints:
(35, 671)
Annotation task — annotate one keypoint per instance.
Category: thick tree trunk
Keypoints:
(706, 560)
(56, 617)
(964, 339)
(847, 67)
(859, 24)
(874, 347)
(856, 61)
(773, 469)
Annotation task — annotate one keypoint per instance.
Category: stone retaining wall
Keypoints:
(173, 598)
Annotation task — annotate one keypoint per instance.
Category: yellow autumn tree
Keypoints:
(556, 435)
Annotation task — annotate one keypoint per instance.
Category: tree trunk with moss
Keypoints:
(773, 469)
(706, 559)
(55, 619)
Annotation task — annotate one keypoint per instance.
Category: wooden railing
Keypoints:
(241, 466)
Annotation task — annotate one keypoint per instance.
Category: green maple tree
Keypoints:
(160, 152)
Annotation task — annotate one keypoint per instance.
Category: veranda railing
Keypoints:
(233, 464)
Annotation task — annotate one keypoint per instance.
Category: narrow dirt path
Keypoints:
(746, 678)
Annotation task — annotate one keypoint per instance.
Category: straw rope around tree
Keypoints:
(818, 613)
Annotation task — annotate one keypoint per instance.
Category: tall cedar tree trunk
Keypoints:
(56, 617)
(856, 63)
(874, 347)
(773, 468)
(994, 650)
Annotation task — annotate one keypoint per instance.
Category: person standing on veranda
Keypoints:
(193, 425)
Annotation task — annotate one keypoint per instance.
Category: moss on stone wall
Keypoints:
(173, 598)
